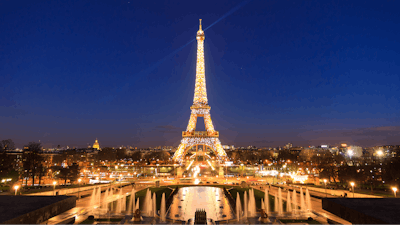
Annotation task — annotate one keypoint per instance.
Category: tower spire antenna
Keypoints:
(200, 25)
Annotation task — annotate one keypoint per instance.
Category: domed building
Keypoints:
(96, 145)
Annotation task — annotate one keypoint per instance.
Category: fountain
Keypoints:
(252, 204)
(302, 204)
(131, 206)
(118, 208)
(288, 203)
(308, 200)
(105, 200)
(99, 197)
(93, 198)
(280, 202)
(266, 201)
(154, 205)
(162, 208)
(238, 206)
(123, 203)
(147, 203)
(294, 199)
(245, 205)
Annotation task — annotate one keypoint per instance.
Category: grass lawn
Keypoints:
(4, 188)
(300, 221)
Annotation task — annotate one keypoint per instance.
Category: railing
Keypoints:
(200, 134)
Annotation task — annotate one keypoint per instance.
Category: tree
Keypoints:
(136, 156)
(6, 164)
(74, 171)
(7, 169)
(41, 172)
(32, 160)
(7, 145)
(107, 153)
(70, 173)
(391, 171)
(64, 174)
(121, 153)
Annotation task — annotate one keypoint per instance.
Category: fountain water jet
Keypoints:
(137, 204)
(123, 208)
(302, 203)
(252, 204)
(93, 198)
(162, 208)
(147, 203)
(308, 200)
(245, 202)
(262, 204)
(280, 202)
(276, 207)
(99, 196)
(154, 205)
(105, 200)
(288, 203)
(294, 199)
(118, 208)
(131, 206)
(266, 201)
(238, 207)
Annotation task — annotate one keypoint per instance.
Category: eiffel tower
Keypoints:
(200, 108)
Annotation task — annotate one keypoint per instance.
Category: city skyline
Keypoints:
(274, 74)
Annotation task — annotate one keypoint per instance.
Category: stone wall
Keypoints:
(42, 214)
(66, 191)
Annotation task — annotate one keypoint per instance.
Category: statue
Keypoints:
(264, 216)
(136, 215)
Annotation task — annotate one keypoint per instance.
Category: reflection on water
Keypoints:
(211, 199)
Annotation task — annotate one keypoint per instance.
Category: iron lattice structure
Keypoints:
(200, 108)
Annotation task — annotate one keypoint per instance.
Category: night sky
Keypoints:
(310, 73)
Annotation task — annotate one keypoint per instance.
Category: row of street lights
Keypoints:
(16, 187)
(394, 189)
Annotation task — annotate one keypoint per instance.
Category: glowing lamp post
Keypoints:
(352, 185)
(394, 191)
(16, 189)
(79, 187)
(325, 188)
(54, 187)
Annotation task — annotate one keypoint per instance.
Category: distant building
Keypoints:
(96, 145)
(354, 151)
(288, 146)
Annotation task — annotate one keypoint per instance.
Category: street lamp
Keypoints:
(352, 185)
(394, 191)
(54, 187)
(79, 187)
(325, 188)
(16, 189)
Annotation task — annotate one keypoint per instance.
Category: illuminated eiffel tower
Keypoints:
(200, 108)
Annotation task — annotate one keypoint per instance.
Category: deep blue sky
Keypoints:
(311, 73)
